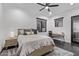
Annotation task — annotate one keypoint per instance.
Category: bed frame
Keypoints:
(39, 52)
(43, 51)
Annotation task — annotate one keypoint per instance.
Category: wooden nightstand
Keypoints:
(11, 41)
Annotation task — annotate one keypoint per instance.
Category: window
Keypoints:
(59, 22)
(41, 25)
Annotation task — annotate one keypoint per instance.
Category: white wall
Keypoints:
(14, 17)
(23, 16)
(66, 23)
(1, 24)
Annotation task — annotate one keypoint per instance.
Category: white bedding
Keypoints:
(28, 43)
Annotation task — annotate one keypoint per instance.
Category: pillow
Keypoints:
(25, 33)
(28, 33)
(31, 32)
(35, 31)
(21, 32)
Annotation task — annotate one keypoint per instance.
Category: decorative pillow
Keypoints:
(21, 32)
(35, 31)
(28, 33)
(31, 32)
(25, 33)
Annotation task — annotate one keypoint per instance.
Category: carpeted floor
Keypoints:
(60, 52)
(57, 52)
(9, 52)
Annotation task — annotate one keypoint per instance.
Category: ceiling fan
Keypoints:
(47, 6)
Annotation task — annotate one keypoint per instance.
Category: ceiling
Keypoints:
(63, 7)
(33, 8)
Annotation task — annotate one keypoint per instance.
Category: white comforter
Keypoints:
(28, 43)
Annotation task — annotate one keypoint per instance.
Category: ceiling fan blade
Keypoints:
(48, 9)
(42, 9)
(47, 4)
(53, 5)
(41, 4)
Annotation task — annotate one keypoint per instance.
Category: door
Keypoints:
(75, 29)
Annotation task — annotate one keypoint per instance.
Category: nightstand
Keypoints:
(50, 33)
(10, 41)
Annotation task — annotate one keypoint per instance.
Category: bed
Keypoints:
(33, 44)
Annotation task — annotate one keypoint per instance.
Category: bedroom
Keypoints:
(24, 16)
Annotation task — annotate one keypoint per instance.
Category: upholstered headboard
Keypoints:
(22, 31)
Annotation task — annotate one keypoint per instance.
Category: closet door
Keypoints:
(75, 28)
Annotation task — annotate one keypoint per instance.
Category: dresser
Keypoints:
(10, 41)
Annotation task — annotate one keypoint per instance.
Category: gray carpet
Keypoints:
(9, 52)
(57, 52)
(60, 52)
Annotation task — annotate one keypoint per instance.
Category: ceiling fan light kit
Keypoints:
(46, 7)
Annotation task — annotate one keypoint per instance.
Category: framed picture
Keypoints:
(59, 22)
(41, 25)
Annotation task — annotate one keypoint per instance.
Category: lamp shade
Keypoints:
(12, 34)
